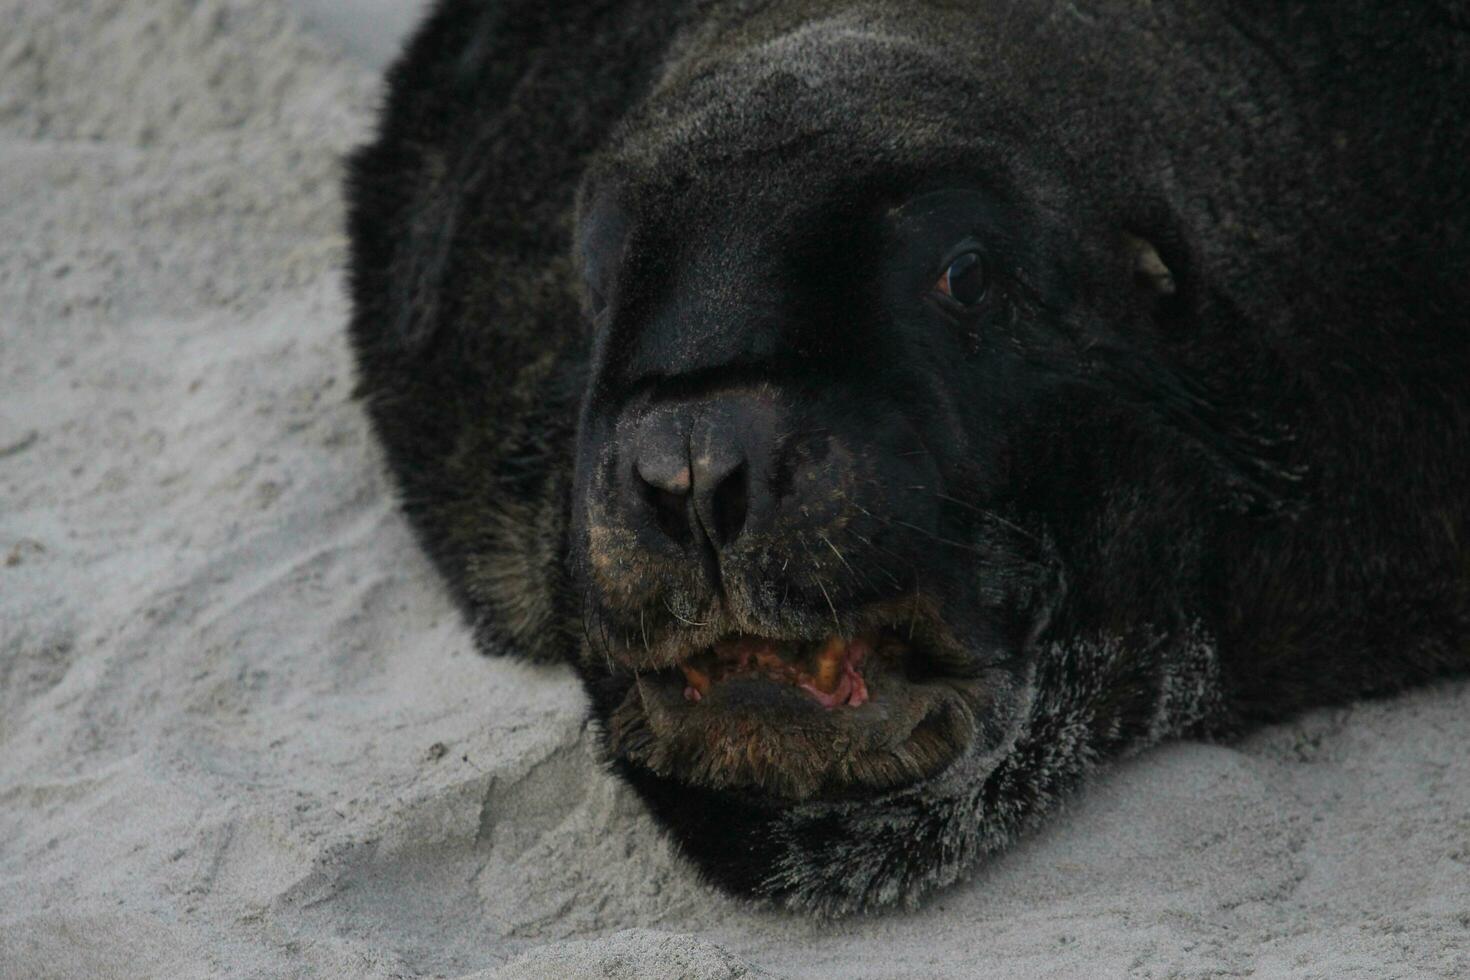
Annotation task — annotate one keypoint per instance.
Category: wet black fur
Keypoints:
(1266, 499)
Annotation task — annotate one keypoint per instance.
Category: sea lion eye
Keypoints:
(964, 280)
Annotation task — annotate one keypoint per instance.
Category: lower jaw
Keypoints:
(773, 740)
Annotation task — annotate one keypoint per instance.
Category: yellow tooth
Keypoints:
(769, 660)
(829, 665)
(696, 679)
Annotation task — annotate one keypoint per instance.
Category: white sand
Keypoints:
(224, 666)
(371, 31)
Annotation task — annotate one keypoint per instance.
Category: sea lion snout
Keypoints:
(695, 470)
(703, 483)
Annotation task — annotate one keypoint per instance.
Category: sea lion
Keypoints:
(896, 410)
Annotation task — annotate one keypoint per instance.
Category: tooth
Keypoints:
(767, 659)
(859, 693)
(829, 664)
(698, 682)
(740, 649)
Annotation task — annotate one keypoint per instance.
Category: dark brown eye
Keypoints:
(964, 280)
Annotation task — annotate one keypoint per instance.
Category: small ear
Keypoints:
(1149, 269)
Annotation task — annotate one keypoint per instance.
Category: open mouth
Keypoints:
(830, 671)
(796, 717)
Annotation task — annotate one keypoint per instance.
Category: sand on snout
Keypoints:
(244, 734)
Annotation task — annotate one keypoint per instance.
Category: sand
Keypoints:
(243, 733)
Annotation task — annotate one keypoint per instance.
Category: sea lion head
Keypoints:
(852, 393)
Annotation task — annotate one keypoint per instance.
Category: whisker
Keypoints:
(591, 643)
(602, 628)
(846, 564)
(928, 534)
(988, 514)
(836, 620)
(828, 542)
(897, 582)
(628, 643)
(686, 622)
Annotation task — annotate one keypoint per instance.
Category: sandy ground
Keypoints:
(242, 732)
(368, 31)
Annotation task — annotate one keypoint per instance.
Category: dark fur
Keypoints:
(1243, 498)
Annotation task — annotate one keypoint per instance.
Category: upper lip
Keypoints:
(714, 644)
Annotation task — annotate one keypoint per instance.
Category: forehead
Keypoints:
(826, 107)
(741, 92)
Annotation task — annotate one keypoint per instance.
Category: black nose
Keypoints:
(692, 476)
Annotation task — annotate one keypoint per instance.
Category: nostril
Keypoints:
(669, 508)
(730, 501)
(691, 485)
